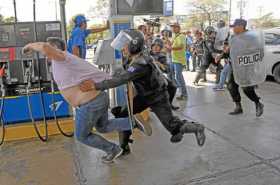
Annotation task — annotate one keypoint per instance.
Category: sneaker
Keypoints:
(126, 150)
(109, 158)
(204, 80)
(259, 109)
(143, 125)
(218, 89)
(181, 97)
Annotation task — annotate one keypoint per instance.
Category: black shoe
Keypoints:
(236, 111)
(126, 150)
(174, 107)
(259, 109)
(109, 158)
(176, 138)
(197, 129)
(195, 83)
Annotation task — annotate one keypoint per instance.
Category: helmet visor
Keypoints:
(120, 41)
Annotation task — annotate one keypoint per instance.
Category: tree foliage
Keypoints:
(206, 12)
(6, 19)
(266, 21)
(100, 10)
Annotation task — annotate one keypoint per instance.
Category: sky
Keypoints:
(49, 9)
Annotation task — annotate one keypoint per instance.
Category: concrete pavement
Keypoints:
(240, 150)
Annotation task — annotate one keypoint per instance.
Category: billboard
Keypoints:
(139, 7)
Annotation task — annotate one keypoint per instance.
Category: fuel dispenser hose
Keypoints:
(1, 119)
(55, 116)
(42, 138)
(2, 105)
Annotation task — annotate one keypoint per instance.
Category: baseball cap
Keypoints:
(239, 22)
(80, 19)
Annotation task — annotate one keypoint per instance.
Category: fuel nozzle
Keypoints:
(2, 71)
(2, 75)
(27, 68)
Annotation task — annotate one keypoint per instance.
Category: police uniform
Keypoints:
(208, 51)
(198, 52)
(151, 91)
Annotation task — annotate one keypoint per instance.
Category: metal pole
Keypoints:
(55, 6)
(229, 14)
(63, 19)
(241, 8)
(15, 11)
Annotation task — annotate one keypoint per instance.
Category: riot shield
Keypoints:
(247, 53)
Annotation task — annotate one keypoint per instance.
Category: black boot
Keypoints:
(124, 139)
(197, 129)
(177, 136)
(259, 109)
(237, 110)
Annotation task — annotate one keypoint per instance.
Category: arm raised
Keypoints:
(46, 49)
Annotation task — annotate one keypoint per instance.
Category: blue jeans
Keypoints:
(224, 75)
(171, 74)
(180, 78)
(95, 114)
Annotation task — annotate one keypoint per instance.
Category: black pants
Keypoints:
(161, 108)
(234, 91)
(202, 72)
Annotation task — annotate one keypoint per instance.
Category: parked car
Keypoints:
(272, 52)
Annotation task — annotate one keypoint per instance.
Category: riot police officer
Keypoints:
(151, 90)
(239, 29)
(160, 59)
(208, 55)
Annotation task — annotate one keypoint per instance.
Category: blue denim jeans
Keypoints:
(171, 74)
(224, 74)
(180, 78)
(95, 114)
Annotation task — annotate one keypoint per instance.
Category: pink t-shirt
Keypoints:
(75, 70)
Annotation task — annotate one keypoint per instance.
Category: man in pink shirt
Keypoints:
(91, 106)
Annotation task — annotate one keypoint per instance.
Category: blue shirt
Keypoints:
(78, 39)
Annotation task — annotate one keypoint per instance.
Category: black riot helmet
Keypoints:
(137, 42)
(221, 24)
(159, 42)
(132, 38)
(209, 30)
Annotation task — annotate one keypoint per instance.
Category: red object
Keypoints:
(11, 53)
(2, 71)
